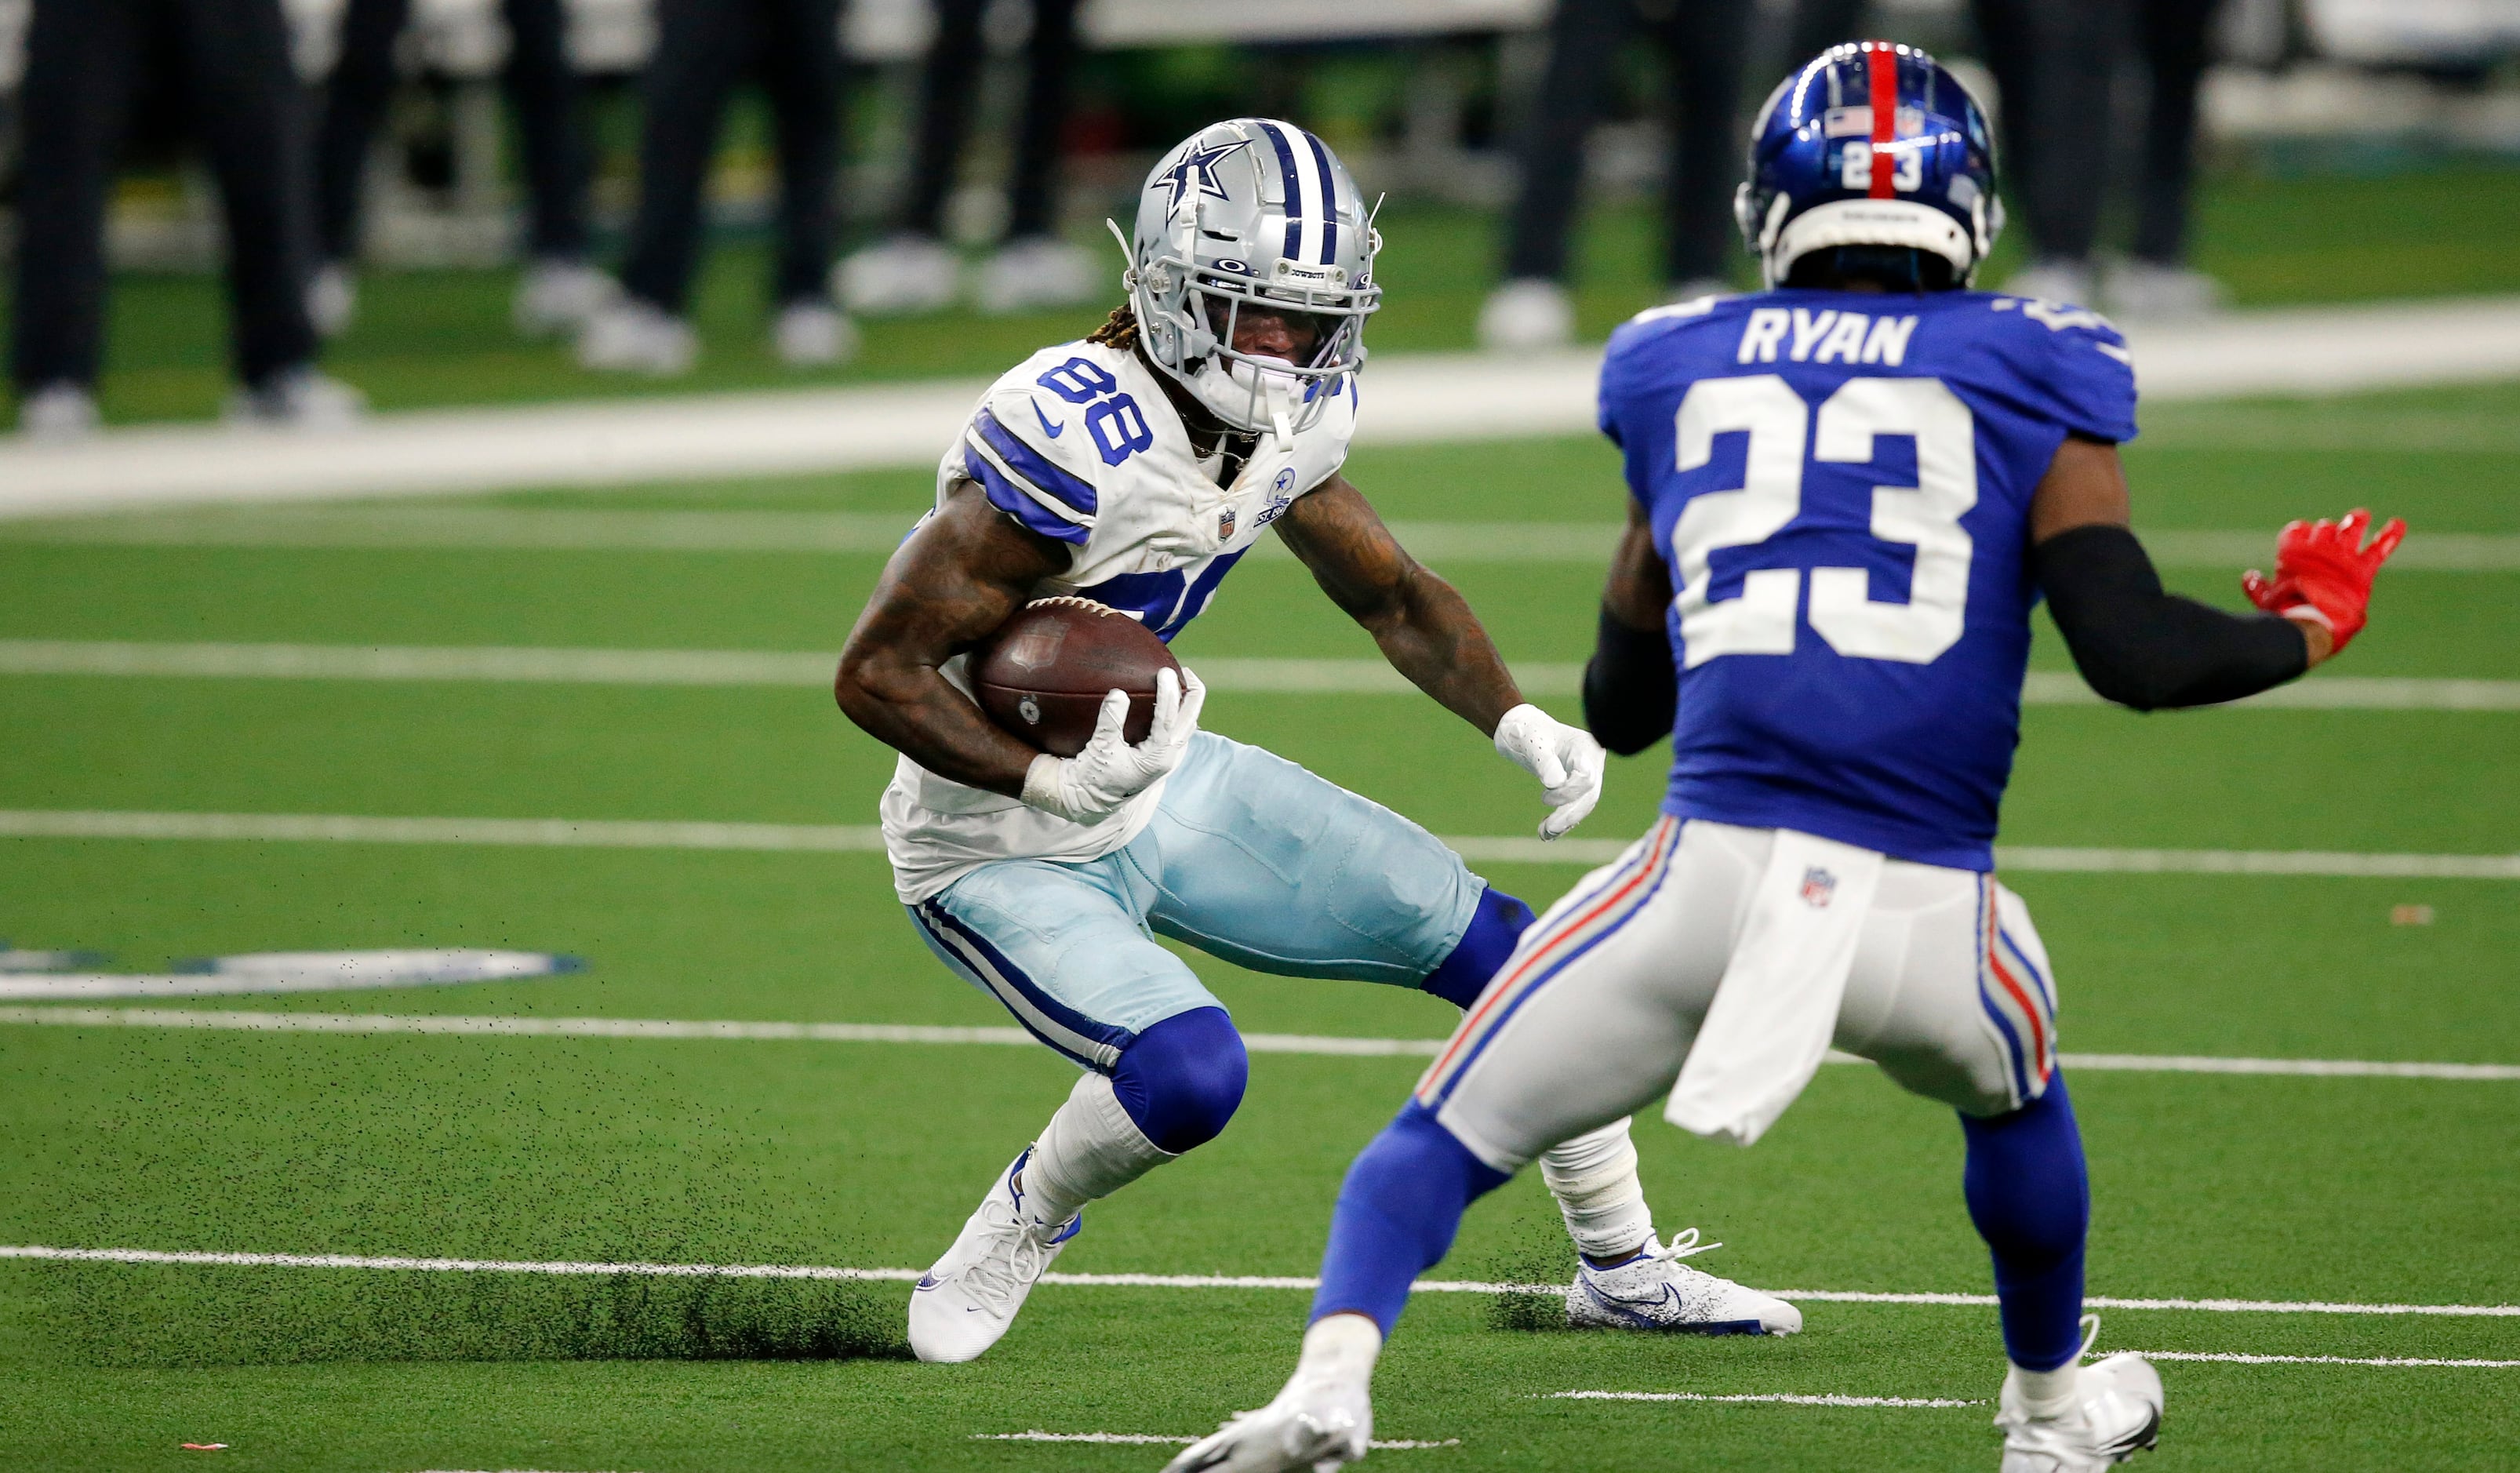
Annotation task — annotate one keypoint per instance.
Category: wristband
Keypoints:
(1041, 785)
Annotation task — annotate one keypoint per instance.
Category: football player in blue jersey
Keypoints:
(1846, 493)
(1135, 468)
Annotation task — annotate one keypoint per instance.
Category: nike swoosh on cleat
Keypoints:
(1047, 428)
(925, 1281)
(1632, 1309)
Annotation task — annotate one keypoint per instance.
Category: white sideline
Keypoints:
(813, 670)
(1149, 1439)
(839, 838)
(1825, 1398)
(576, 1270)
(732, 1030)
(1414, 397)
(572, 529)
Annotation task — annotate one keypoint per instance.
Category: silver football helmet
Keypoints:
(1246, 213)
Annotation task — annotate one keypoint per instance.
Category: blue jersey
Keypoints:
(1840, 483)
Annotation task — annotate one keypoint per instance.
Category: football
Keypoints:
(1042, 675)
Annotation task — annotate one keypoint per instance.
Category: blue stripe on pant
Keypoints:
(1095, 1046)
(1247, 857)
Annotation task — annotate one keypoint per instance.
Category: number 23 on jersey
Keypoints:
(1785, 434)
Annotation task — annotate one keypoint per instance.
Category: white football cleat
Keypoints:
(1036, 270)
(332, 299)
(813, 335)
(2116, 1414)
(1655, 1292)
(1318, 1423)
(2152, 291)
(2069, 283)
(638, 337)
(59, 412)
(557, 296)
(967, 1301)
(1531, 312)
(898, 276)
(299, 398)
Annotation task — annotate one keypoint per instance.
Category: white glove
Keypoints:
(1565, 759)
(1097, 782)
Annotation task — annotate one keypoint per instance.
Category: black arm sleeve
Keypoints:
(1631, 692)
(2142, 647)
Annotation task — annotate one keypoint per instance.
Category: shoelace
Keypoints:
(996, 1280)
(1685, 1244)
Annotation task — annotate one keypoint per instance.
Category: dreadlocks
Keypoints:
(1118, 331)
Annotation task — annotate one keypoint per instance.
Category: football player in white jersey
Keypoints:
(1134, 468)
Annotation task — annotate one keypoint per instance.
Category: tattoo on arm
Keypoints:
(1421, 623)
(946, 589)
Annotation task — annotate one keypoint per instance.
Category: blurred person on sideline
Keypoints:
(2054, 64)
(913, 270)
(1703, 43)
(560, 290)
(703, 47)
(86, 61)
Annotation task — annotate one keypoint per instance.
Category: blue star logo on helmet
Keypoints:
(1195, 174)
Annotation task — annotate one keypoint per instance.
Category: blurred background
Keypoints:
(435, 201)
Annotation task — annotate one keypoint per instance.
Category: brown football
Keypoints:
(1044, 673)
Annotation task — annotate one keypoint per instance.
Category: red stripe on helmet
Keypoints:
(1881, 86)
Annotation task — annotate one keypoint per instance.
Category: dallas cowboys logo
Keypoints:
(1195, 174)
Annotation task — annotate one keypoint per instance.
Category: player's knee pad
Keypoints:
(1181, 1079)
(2028, 1192)
(1486, 942)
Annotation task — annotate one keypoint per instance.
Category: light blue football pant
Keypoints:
(1249, 858)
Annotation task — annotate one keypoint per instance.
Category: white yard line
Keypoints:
(813, 670)
(2236, 1357)
(631, 834)
(1410, 398)
(1149, 1439)
(393, 526)
(1825, 1398)
(732, 1030)
(578, 1269)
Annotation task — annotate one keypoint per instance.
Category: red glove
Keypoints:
(2323, 572)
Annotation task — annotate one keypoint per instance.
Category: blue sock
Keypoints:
(1180, 1079)
(2032, 1202)
(1397, 1213)
(1486, 942)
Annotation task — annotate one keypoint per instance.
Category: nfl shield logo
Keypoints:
(1225, 522)
(1818, 886)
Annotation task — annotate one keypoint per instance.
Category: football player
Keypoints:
(1847, 492)
(1135, 468)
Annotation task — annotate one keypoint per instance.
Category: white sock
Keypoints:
(2044, 1393)
(1340, 1349)
(1090, 1149)
(1594, 1177)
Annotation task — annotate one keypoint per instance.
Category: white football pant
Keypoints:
(1944, 985)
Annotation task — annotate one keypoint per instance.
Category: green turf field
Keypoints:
(438, 338)
(2356, 1190)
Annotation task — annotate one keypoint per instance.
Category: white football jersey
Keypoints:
(1080, 443)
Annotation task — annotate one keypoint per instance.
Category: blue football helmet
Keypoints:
(1826, 168)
